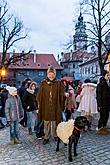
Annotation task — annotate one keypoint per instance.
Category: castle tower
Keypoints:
(80, 37)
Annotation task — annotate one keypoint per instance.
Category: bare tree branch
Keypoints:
(12, 31)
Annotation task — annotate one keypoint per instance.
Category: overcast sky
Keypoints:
(50, 22)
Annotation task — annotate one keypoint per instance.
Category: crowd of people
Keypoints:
(39, 109)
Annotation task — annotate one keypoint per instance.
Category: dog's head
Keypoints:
(81, 122)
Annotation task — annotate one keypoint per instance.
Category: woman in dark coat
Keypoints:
(30, 105)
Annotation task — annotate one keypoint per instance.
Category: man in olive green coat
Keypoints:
(50, 100)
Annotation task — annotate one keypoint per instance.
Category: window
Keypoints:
(65, 66)
(41, 73)
(89, 70)
(92, 69)
(49, 65)
(85, 70)
(28, 73)
(73, 65)
(96, 69)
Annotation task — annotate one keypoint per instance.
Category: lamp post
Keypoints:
(2, 73)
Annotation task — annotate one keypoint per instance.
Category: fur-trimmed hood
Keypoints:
(89, 84)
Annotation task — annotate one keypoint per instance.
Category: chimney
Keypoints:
(11, 54)
(34, 56)
(62, 56)
(71, 54)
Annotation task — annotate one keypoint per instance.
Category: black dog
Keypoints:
(79, 125)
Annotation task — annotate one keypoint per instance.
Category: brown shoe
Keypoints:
(103, 131)
(99, 131)
(17, 141)
(106, 131)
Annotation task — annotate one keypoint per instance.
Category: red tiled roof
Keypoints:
(77, 55)
(43, 61)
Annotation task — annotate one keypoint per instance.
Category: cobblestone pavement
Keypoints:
(92, 149)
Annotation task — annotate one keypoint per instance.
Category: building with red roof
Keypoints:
(32, 65)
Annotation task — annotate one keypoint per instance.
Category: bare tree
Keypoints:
(12, 31)
(98, 14)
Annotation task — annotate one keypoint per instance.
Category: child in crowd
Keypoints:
(14, 113)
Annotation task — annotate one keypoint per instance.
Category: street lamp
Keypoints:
(2, 73)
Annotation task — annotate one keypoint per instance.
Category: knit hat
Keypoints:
(104, 72)
(51, 69)
(11, 90)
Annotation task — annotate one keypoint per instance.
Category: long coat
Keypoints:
(51, 100)
(11, 108)
(88, 103)
(103, 94)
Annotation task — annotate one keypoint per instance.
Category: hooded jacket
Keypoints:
(29, 99)
(11, 108)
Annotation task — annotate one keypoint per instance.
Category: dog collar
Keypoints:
(77, 128)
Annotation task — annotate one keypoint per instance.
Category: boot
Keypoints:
(30, 131)
(12, 140)
(17, 141)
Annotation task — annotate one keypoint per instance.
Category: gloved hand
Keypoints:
(8, 123)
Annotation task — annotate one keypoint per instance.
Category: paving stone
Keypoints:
(92, 149)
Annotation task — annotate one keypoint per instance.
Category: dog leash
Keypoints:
(77, 128)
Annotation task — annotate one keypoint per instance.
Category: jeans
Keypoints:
(14, 129)
(31, 119)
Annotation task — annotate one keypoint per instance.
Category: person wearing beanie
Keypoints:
(50, 103)
(51, 70)
(14, 113)
(30, 105)
(103, 102)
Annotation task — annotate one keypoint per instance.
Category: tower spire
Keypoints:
(80, 37)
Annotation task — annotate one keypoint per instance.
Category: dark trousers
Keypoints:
(67, 114)
(104, 115)
(39, 128)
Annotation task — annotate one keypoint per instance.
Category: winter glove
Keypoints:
(8, 123)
